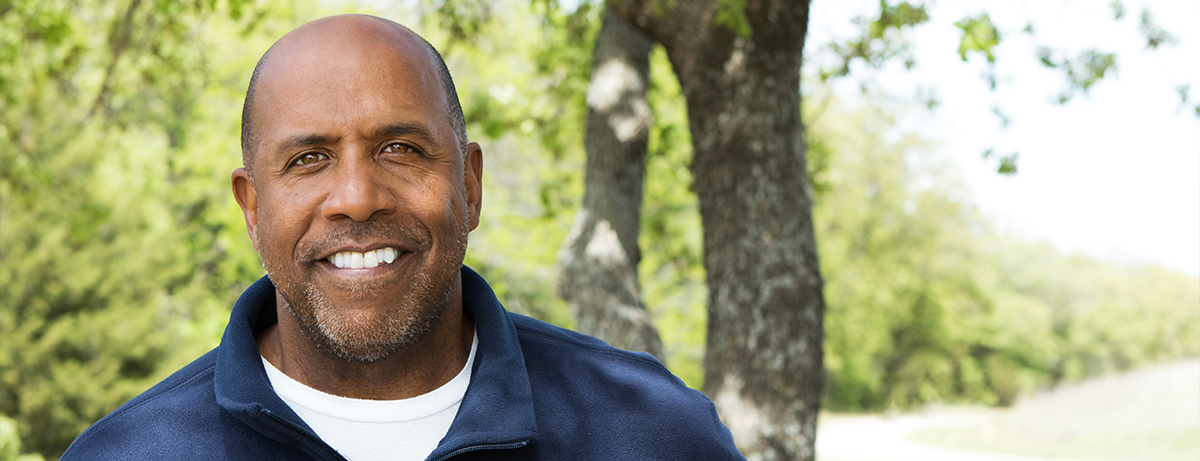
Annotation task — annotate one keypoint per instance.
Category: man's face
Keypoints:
(361, 199)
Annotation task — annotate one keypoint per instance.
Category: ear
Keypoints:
(247, 198)
(473, 177)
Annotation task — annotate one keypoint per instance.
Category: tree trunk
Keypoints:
(598, 261)
(763, 366)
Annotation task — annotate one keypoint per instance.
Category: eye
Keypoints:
(309, 158)
(398, 148)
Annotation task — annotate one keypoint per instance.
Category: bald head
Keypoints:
(343, 36)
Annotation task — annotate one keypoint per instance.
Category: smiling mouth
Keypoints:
(369, 259)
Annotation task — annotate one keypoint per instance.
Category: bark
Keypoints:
(763, 366)
(598, 261)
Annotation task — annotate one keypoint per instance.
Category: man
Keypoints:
(368, 339)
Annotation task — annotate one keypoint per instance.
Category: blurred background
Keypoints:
(1007, 206)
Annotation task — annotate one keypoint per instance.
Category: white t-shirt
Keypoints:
(365, 430)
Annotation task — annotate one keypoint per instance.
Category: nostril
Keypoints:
(358, 200)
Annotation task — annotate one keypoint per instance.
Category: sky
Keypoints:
(1114, 174)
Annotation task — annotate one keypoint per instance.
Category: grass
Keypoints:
(1147, 414)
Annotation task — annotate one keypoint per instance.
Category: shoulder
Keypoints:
(157, 421)
(599, 395)
(553, 342)
(569, 360)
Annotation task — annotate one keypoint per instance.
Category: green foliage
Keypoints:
(542, 92)
(463, 20)
(1155, 34)
(526, 94)
(925, 303)
(1118, 9)
(10, 442)
(1182, 91)
(523, 98)
(1082, 72)
(732, 14)
(897, 17)
(924, 300)
(1008, 163)
(117, 237)
(882, 39)
(892, 254)
(671, 270)
(978, 35)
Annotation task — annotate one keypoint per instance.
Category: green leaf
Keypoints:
(979, 35)
(881, 39)
(1046, 57)
(896, 17)
(1118, 9)
(1008, 164)
(1082, 72)
(1155, 34)
(1090, 67)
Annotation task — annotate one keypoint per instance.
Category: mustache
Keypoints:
(348, 232)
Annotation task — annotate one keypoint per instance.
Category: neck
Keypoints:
(433, 360)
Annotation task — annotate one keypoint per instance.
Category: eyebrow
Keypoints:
(302, 141)
(416, 130)
(292, 143)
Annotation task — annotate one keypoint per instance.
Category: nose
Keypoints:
(359, 192)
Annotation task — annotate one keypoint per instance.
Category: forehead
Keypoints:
(345, 75)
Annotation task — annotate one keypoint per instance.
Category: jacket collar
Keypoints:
(496, 412)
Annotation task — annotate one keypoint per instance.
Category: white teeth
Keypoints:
(369, 259)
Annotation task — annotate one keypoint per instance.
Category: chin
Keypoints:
(373, 334)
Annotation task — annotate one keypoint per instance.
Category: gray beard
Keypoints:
(403, 326)
(351, 339)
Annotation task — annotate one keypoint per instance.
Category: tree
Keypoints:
(599, 259)
(738, 65)
(110, 232)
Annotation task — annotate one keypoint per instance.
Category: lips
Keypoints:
(361, 260)
(348, 245)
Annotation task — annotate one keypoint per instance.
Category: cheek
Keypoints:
(454, 207)
(280, 222)
(431, 197)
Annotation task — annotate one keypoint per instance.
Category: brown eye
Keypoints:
(397, 148)
(309, 159)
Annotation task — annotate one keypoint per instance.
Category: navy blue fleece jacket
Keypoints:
(537, 392)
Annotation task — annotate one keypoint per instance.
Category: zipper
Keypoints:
(495, 446)
(303, 431)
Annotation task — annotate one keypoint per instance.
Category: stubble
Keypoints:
(371, 338)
